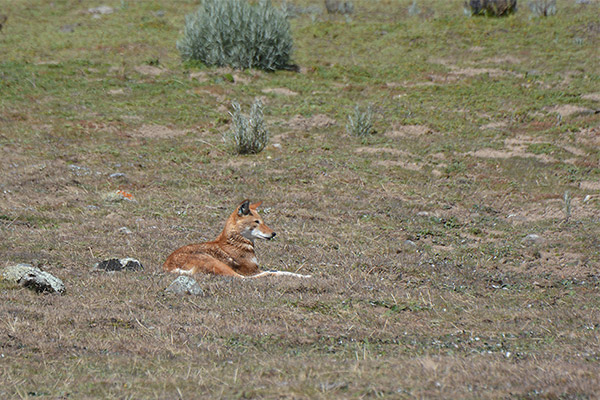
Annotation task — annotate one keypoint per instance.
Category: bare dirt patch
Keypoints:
(408, 131)
(149, 70)
(494, 125)
(381, 150)
(116, 91)
(280, 91)
(589, 136)
(402, 164)
(591, 96)
(508, 59)
(157, 132)
(568, 110)
(318, 121)
(590, 185)
(514, 147)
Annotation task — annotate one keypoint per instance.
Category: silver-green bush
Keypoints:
(238, 34)
(361, 124)
(247, 135)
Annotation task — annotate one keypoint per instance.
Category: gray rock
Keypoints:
(410, 244)
(14, 273)
(33, 278)
(125, 230)
(532, 239)
(119, 264)
(42, 281)
(117, 175)
(185, 285)
(101, 10)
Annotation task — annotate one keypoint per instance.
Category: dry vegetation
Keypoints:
(425, 283)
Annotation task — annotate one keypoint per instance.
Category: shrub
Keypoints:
(361, 124)
(247, 135)
(491, 8)
(238, 34)
(542, 8)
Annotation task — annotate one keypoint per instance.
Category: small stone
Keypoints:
(101, 10)
(185, 285)
(532, 239)
(125, 230)
(410, 244)
(117, 175)
(423, 214)
(116, 264)
(70, 28)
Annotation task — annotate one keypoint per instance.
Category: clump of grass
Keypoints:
(238, 34)
(567, 200)
(247, 135)
(414, 9)
(361, 123)
(542, 8)
(491, 8)
(339, 7)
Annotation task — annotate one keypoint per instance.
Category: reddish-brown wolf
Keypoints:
(232, 252)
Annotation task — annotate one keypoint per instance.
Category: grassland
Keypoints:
(426, 283)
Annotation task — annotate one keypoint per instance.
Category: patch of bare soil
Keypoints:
(568, 110)
(157, 132)
(398, 163)
(514, 147)
(590, 185)
(591, 96)
(408, 131)
(560, 265)
(472, 71)
(148, 70)
(381, 150)
(589, 136)
(508, 59)
(318, 121)
(551, 209)
(494, 125)
(200, 76)
(280, 91)
(116, 91)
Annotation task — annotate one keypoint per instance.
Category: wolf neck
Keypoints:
(236, 240)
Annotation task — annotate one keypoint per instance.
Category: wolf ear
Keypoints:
(244, 208)
(255, 205)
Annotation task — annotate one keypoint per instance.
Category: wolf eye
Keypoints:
(257, 221)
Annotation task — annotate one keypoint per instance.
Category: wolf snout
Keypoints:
(272, 235)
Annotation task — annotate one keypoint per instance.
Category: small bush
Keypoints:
(361, 124)
(247, 135)
(491, 8)
(542, 8)
(238, 34)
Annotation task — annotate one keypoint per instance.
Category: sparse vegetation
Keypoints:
(248, 135)
(443, 267)
(239, 34)
(360, 124)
